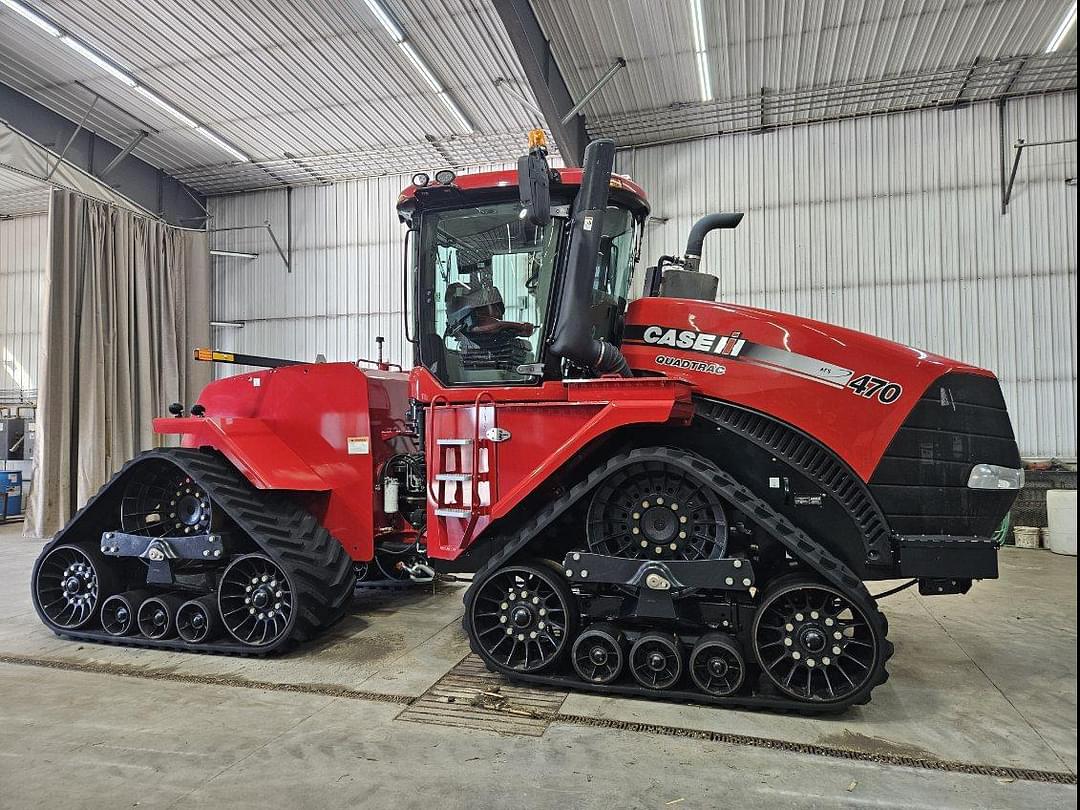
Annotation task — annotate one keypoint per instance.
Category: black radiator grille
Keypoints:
(921, 481)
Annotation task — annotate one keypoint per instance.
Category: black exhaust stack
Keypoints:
(572, 337)
(701, 229)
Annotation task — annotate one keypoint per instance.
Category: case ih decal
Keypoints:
(736, 347)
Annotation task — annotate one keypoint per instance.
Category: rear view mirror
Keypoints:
(533, 188)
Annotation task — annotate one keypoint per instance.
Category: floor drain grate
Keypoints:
(469, 696)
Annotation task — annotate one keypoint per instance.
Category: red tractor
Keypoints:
(670, 497)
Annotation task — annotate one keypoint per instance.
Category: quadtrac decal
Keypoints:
(734, 347)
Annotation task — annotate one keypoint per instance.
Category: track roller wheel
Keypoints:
(119, 612)
(522, 617)
(656, 660)
(255, 598)
(157, 616)
(598, 655)
(70, 583)
(197, 620)
(815, 643)
(717, 665)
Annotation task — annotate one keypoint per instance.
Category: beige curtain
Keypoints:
(126, 299)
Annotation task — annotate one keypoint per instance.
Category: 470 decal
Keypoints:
(869, 386)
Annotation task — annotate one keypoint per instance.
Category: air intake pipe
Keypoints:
(701, 229)
(572, 336)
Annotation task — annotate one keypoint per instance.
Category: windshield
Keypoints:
(484, 284)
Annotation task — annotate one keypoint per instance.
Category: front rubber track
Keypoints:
(320, 570)
(798, 544)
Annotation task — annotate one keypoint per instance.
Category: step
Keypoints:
(454, 477)
(453, 442)
(454, 513)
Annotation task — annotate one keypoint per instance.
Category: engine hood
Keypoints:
(849, 390)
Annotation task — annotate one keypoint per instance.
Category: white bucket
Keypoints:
(1061, 517)
(1026, 536)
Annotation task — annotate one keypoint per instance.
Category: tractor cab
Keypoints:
(490, 256)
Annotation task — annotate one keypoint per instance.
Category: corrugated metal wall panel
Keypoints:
(23, 251)
(892, 225)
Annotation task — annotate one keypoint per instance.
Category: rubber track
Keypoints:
(317, 565)
(796, 541)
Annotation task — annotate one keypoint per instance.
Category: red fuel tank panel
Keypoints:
(848, 389)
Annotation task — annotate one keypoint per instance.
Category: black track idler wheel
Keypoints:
(654, 510)
(522, 617)
(656, 660)
(119, 613)
(157, 616)
(814, 642)
(69, 585)
(599, 653)
(256, 600)
(197, 620)
(717, 665)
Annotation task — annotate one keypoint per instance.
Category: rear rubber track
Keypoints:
(320, 570)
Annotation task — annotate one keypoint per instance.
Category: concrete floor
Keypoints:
(987, 679)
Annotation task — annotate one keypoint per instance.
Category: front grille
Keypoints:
(921, 481)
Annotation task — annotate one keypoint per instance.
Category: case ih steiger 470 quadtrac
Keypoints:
(671, 497)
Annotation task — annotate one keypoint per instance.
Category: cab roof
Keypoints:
(630, 192)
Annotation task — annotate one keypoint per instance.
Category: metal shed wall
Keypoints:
(892, 225)
(23, 251)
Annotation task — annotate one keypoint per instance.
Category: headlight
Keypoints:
(991, 476)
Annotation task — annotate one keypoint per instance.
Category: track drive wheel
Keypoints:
(522, 617)
(816, 643)
(70, 583)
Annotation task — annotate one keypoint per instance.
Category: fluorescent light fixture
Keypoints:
(239, 254)
(222, 144)
(384, 18)
(463, 123)
(421, 66)
(697, 19)
(26, 13)
(1068, 23)
(151, 96)
(102, 63)
(228, 324)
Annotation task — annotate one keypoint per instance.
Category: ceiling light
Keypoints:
(222, 144)
(238, 254)
(421, 66)
(462, 122)
(102, 63)
(1068, 23)
(26, 13)
(166, 106)
(383, 16)
(697, 19)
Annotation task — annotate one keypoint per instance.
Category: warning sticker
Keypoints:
(358, 445)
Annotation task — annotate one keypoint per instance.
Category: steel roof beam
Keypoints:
(547, 83)
(137, 180)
